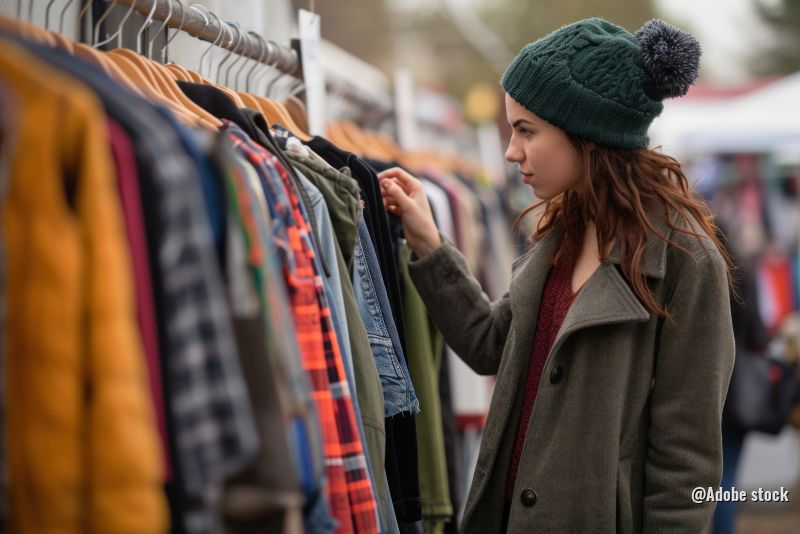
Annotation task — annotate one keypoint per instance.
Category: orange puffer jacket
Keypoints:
(82, 449)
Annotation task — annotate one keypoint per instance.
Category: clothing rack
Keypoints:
(209, 28)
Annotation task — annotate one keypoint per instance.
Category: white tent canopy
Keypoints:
(764, 120)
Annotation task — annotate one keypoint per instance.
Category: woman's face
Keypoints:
(547, 160)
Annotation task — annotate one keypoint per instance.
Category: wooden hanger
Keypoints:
(335, 134)
(28, 31)
(369, 147)
(297, 110)
(179, 72)
(167, 86)
(150, 90)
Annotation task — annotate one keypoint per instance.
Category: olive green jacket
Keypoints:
(628, 413)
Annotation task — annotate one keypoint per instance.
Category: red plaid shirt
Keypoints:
(350, 489)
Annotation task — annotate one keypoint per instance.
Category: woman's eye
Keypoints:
(524, 132)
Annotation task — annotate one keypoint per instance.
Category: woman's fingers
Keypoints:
(406, 180)
(393, 194)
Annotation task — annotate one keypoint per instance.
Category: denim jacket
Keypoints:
(373, 305)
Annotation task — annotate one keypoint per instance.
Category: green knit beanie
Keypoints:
(595, 80)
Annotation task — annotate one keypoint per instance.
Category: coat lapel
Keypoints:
(606, 298)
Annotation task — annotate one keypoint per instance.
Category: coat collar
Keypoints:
(606, 298)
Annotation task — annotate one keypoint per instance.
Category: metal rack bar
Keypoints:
(195, 24)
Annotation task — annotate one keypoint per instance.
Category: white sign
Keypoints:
(313, 76)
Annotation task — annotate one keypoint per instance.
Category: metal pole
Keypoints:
(280, 57)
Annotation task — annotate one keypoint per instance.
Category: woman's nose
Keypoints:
(514, 154)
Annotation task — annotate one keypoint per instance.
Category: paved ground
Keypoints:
(770, 519)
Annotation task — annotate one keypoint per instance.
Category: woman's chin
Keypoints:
(541, 193)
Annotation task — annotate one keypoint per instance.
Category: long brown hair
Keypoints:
(617, 190)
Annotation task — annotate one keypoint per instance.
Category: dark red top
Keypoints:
(556, 300)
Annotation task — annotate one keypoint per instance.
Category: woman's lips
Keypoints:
(525, 176)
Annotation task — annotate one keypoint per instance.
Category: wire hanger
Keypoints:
(167, 19)
(230, 51)
(217, 40)
(47, 13)
(147, 22)
(62, 15)
(235, 62)
(103, 17)
(180, 27)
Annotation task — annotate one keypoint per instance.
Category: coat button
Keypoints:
(557, 374)
(528, 498)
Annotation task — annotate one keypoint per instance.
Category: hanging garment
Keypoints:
(127, 182)
(266, 496)
(424, 355)
(350, 493)
(374, 307)
(7, 140)
(192, 316)
(67, 257)
(376, 218)
(281, 346)
(342, 197)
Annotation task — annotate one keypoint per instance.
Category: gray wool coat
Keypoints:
(627, 419)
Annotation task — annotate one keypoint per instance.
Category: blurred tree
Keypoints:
(782, 57)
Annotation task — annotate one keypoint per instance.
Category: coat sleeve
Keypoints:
(471, 324)
(694, 361)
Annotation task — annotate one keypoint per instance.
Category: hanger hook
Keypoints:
(230, 50)
(262, 46)
(146, 23)
(61, 16)
(180, 27)
(47, 13)
(183, 19)
(118, 33)
(84, 9)
(254, 61)
(267, 64)
(278, 77)
(167, 20)
(245, 48)
(217, 40)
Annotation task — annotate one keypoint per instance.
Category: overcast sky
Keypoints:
(727, 29)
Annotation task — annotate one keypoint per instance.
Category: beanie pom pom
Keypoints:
(671, 59)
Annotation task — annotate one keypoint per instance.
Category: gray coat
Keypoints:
(628, 412)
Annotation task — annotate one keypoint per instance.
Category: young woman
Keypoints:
(613, 348)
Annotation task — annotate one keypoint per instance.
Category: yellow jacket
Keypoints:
(82, 447)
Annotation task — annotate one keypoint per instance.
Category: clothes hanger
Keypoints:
(29, 30)
(62, 15)
(297, 110)
(164, 82)
(97, 42)
(334, 133)
(248, 98)
(231, 51)
(200, 79)
(134, 73)
(167, 19)
(180, 72)
(276, 113)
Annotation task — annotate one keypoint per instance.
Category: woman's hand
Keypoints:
(404, 196)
